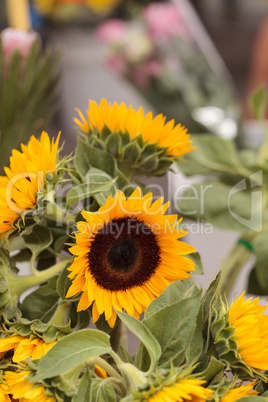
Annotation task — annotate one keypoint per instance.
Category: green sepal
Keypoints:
(113, 143)
(132, 152)
(105, 132)
(68, 381)
(35, 328)
(8, 300)
(149, 164)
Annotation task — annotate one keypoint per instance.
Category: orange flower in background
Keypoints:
(25, 177)
(127, 253)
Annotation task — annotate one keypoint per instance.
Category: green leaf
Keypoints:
(212, 154)
(38, 240)
(71, 351)
(69, 380)
(88, 189)
(214, 367)
(173, 326)
(144, 335)
(103, 391)
(195, 347)
(84, 388)
(97, 175)
(87, 156)
(42, 303)
(258, 102)
(175, 292)
(124, 355)
(222, 206)
(208, 300)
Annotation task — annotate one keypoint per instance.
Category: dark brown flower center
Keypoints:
(124, 254)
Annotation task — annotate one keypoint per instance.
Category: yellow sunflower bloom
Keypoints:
(184, 390)
(127, 254)
(237, 393)
(251, 331)
(24, 347)
(25, 177)
(122, 119)
(4, 391)
(25, 391)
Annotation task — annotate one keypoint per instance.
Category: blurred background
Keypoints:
(202, 54)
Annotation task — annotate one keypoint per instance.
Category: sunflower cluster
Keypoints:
(109, 251)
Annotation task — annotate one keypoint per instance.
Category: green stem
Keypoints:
(61, 315)
(55, 213)
(19, 284)
(117, 385)
(52, 251)
(232, 266)
(263, 153)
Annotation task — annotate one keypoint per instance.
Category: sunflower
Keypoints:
(4, 391)
(24, 347)
(241, 337)
(251, 331)
(25, 391)
(119, 118)
(183, 390)
(127, 254)
(237, 393)
(25, 177)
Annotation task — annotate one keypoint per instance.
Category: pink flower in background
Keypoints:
(154, 68)
(164, 21)
(116, 64)
(140, 76)
(17, 39)
(111, 32)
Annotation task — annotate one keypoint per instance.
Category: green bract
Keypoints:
(133, 157)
